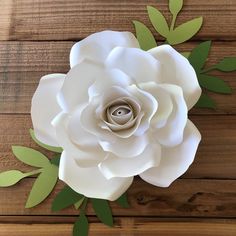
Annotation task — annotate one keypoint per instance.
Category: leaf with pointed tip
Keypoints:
(158, 21)
(81, 226)
(175, 6)
(11, 177)
(65, 198)
(205, 102)
(30, 156)
(199, 55)
(43, 186)
(186, 54)
(48, 147)
(214, 84)
(144, 35)
(185, 31)
(79, 203)
(123, 201)
(103, 211)
(228, 64)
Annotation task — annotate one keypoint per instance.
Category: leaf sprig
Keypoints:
(198, 58)
(173, 35)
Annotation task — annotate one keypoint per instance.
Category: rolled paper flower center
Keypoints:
(119, 114)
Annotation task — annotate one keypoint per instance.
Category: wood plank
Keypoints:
(215, 157)
(184, 198)
(126, 227)
(67, 20)
(23, 63)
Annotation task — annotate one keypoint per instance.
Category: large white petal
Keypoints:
(175, 161)
(44, 107)
(90, 181)
(165, 105)
(176, 69)
(85, 155)
(97, 46)
(74, 91)
(106, 80)
(114, 166)
(136, 63)
(172, 133)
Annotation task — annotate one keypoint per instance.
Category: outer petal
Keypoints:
(115, 166)
(85, 155)
(74, 91)
(172, 133)
(97, 46)
(44, 107)
(90, 181)
(136, 63)
(175, 161)
(176, 69)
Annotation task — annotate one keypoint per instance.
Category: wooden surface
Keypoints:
(35, 39)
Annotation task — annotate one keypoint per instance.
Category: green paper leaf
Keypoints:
(123, 201)
(158, 21)
(186, 54)
(214, 84)
(56, 160)
(79, 203)
(65, 198)
(228, 64)
(199, 55)
(185, 31)
(43, 186)
(48, 147)
(103, 211)
(11, 177)
(30, 156)
(205, 102)
(81, 226)
(175, 6)
(144, 35)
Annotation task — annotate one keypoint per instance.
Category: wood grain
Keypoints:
(184, 198)
(69, 20)
(215, 157)
(127, 227)
(24, 63)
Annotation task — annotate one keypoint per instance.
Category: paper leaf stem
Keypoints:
(144, 35)
(185, 31)
(48, 147)
(199, 55)
(43, 186)
(227, 64)
(103, 211)
(175, 6)
(214, 84)
(205, 102)
(158, 21)
(123, 201)
(30, 156)
(11, 177)
(65, 198)
(81, 226)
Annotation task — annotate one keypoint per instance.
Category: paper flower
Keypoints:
(119, 112)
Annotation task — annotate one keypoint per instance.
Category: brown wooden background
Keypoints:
(35, 39)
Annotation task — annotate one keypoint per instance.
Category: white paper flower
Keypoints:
(119, 112)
